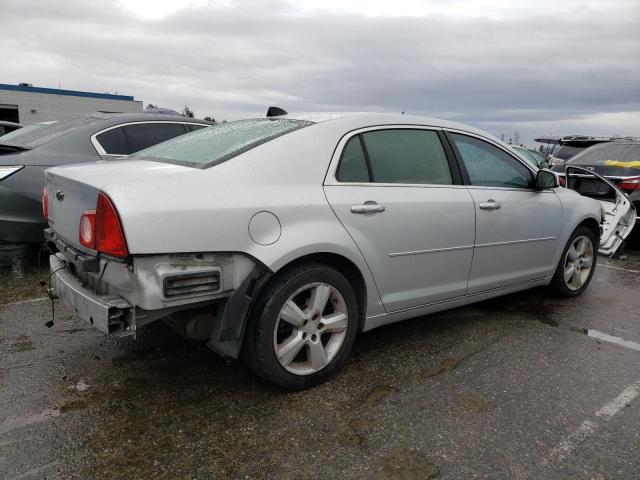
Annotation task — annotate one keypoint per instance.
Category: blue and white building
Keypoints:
(27, 104)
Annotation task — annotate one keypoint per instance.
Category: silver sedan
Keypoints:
(279, 239)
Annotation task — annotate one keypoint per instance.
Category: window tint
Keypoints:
(192, 127)
(489, 166)
(113, 142)
(144, 135)
(353, 164)
(407, 156)
(220, 142)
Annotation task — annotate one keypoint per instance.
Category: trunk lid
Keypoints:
(618, 213)
(73, 189)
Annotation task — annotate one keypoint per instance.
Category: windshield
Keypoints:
(216, 144)
(526, 154)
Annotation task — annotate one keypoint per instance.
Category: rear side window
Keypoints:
(407, 156)
(353, 163)
(489, 166)
(220, 142)
(113, 142)
(144, 135)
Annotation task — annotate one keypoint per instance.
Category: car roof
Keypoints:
(356, 120)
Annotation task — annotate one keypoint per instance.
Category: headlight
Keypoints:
(9, 170)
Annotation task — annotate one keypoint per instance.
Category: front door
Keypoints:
(517, 226)
(394, 192)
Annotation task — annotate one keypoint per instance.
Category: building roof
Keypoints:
(69, 93)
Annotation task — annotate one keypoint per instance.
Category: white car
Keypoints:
(280, 239)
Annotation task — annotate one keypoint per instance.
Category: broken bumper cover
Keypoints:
(108, 313)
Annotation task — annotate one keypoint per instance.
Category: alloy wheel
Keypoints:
(578, 262)
(311, 328)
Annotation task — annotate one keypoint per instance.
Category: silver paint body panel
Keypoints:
(431, 248)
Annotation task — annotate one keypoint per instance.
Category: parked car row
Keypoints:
(279, 239)
(26, 153)
(618, 161)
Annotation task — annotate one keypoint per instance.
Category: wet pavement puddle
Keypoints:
(22, 268)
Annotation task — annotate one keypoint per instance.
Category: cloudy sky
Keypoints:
(533, 66)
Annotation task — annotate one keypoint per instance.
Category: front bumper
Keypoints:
(108, 313)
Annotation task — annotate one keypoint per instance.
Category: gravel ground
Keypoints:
(524, 386)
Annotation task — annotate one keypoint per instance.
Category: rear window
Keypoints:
(46, 132)
(218, 143)
(605, 153)
(565, 152)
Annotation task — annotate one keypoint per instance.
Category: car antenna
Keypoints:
(275, 112)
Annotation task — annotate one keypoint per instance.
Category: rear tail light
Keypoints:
(45, 204)
(562, 181)
(629, 184)
(101, 230)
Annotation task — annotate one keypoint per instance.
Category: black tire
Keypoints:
(258, 350)
(559, 285)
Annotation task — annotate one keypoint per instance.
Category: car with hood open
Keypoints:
(26, 153)
(277, 240)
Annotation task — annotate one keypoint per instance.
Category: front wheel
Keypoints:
(577, 264)
(303, 327)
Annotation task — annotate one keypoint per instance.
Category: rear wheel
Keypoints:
(303, 327)
(577, 264)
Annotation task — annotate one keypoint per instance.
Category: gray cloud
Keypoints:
(534, 73)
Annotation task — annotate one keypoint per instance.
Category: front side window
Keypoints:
(409, 156)
(144, 135)
(218, 143)
(489, 166)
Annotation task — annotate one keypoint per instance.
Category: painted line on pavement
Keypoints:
(605, 337)
(620, 268)
(588, 427)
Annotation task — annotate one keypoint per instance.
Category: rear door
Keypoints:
(619, 213)
(399, 196)
(517, 226)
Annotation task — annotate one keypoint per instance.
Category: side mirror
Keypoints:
(546, 179)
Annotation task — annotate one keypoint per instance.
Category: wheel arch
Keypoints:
(343, 265)
(229, 333)
(592, 224)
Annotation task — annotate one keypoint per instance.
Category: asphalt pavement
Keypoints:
(526, 386)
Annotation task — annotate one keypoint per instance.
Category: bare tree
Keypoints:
(187, 112)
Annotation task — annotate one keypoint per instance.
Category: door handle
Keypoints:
(368, 207)
(490, 205)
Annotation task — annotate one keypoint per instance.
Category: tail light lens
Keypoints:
(45, 204)
(87, 229)
(630, 184)
(100, 229)
(562, 181)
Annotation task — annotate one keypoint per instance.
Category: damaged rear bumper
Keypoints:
(110, 314)
(119, 298)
